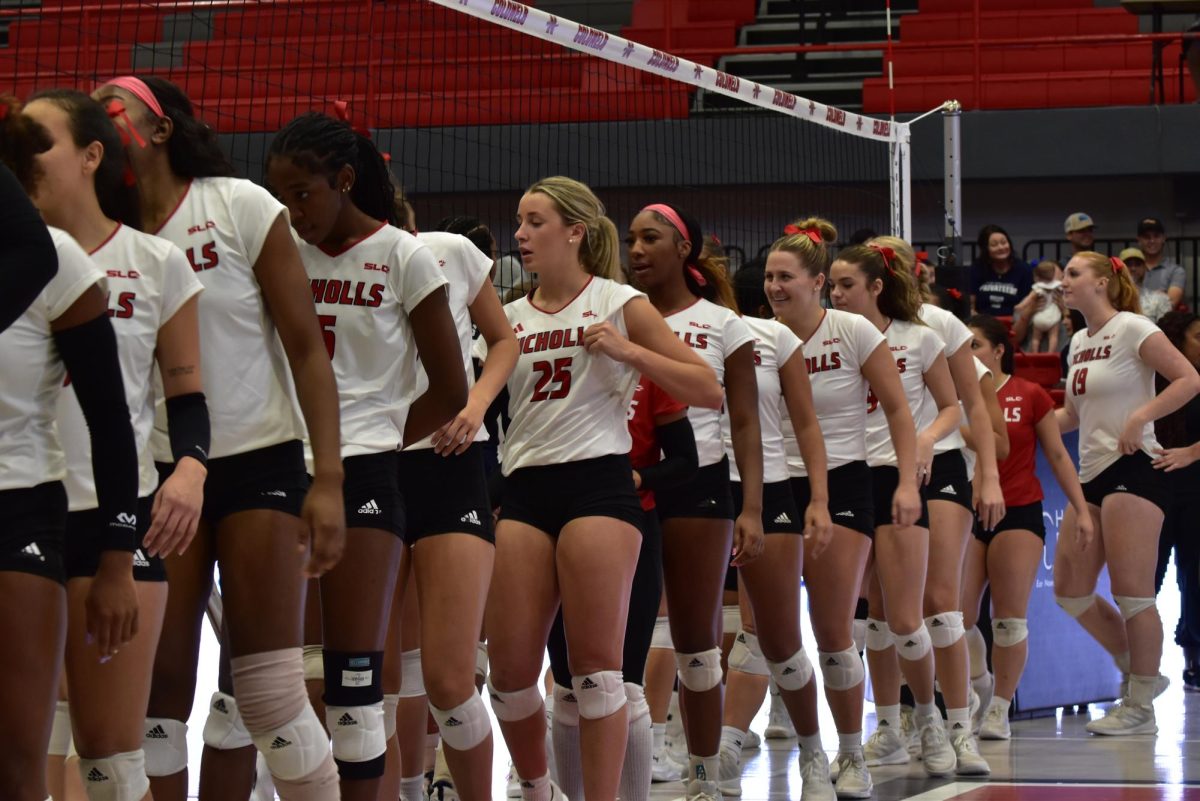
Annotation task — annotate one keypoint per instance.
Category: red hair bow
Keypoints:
(811, 233)
(887, 253)
(954, 293)
(116, 110)
(1116, 263)
(341, 110)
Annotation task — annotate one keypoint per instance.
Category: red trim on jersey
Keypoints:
(529, 297)
(107, 239)
(685, 308)
(333, 254)
(824, 317)
(179, 204)
(1092, 333)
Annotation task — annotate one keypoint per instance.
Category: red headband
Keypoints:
(1116, 263)
(138, 88)
(116, 110)
(811, 233)
(675, 220)
(887, 253)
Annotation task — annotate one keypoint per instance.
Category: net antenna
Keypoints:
(584, 39)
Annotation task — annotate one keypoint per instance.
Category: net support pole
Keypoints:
(901, 187)
(952, 171)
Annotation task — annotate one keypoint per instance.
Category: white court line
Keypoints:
(956, 789)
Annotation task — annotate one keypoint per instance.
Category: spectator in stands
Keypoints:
(1155, 303)
(1081, 232)
(1162, 274)
(998, 278)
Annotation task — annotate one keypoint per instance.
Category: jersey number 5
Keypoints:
(1079, 382)
(558, 373)
(328, 321)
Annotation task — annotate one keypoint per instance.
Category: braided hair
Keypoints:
(472, 228)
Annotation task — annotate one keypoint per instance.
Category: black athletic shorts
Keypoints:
(884, 481)
(371, 491)
(707, 495)
(1026, 518)
(780, 514)
(273, 477)
(445, 494)
(1134, 474)
(851, 502)
(948, 480)
(548, 497)
(82, 550)
(31, 540)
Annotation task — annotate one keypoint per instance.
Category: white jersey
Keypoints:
(1106, 382)
(467, 270)
(834, 356)
(149, 280)
(969, 455)
(33, 373)
(774, 345)
(221, 224)
(364, 296)
(915, 347)
(955, 334)
(714, 332)
(566, 404)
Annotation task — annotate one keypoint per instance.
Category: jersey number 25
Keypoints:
(554, 380)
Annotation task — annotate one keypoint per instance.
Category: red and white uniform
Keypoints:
(566, 404)
(149, 280)
(834, 356)
(1024, 404)
(915, 347)
(467, 270)
(221, 225)
(364, 295)
(1106, 382)
(774, 344)
(714, 332)
(33, 373)
(649, 402)
(955, 334)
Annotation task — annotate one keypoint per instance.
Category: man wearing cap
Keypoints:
(1081, 232)
(1154, 303)
(1162, 274)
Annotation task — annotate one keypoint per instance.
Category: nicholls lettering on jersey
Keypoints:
(347, 293)
(663, 61)
(823, 363)
(124, 308)
(510, 11)
(591, 38)
(697, 341)
(1092, 354)
(550, 340)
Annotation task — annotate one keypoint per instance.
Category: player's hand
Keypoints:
(457, 435)
(906, 505)
(324, 515)
(818, 529)
(1131, 435)
(1084, 529)
(604, 338)
(112, 604)
(1171, 459)
(176, 510)
(988, 502)
(924, 458)
(747, 538)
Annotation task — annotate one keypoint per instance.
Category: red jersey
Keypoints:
(1024, 404)
(649, 402)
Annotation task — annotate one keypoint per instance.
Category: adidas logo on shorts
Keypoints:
(370, 508)
(220, 706)
(347, 720)
(95, 775)
(1120, 488)
(588, 684)
(33, 550)
(471, 517)
(948, 490)
(783, 518)
(846, 513)
(156, 733)
(139, 559)
(280, 742)
(275, 493)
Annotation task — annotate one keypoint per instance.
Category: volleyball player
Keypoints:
(66, 328)
(27, 258)
(568, 524)
(382, 304)
(261, 515)
(1110, 399)
(699, 524)
(1008, 556)
(846, 358)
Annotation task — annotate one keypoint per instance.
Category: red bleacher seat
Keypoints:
(967, 6)
(1041, 22)
(1044, 369)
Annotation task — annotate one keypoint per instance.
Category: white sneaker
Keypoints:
(512, 784)
(442, 790)
(814, 773)
(664, 768)
(751, 741)
(1125, 718)
(909, 732)
(936, 751)
(730, 777)
(853, 778)
(779, 722)
(985, 702)
(556, 793)
(966, 752)
(701, 791)
(973, 702)
(885, 746)
(995, 725)
(1159, 688)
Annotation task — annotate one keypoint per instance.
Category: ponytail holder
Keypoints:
(1116, 263)
(811, 233)
(716, 241)
(387, 158)
(887, 253)
(341, 109)
(954, 293)
(697, 276)
(116, 110)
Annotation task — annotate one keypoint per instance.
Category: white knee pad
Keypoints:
(481, 661)
(223, 729)
(701, 671)
(913, 646)
(295, 749)
(412, 680)
(945, 628)
(599, 694)
(662, 634)
(120, 777)
(858, 632)
(165, 746)
(731, 619)
(390, 702)
(793, 673)
(60, 732)
(746, 655)
(516, 705)
(314, 663)
(1009, 631)
(842, 670)
(638, 708)
(1132, 607)
(466, 725)
(1075, 606)
(566, 706)
(357, 732)
(879, 636)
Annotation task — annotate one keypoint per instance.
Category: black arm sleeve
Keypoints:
(90, 353)
(188, 427)
(679, 462)
(27, 257)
